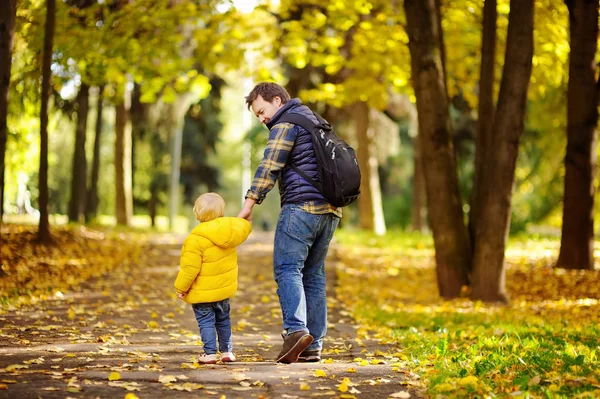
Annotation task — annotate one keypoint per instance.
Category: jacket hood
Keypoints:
(224, 232)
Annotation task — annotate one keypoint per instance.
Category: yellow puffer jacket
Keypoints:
(208, 268)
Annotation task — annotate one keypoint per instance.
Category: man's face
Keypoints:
(265, 110)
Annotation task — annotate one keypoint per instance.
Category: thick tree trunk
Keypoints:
(369, 203)
(452, 250)
(44, 225)
(577, 240)
(91, 203)
(124, 201)
(7, 29)
(485, 120)
(493, 221)
(79, 170)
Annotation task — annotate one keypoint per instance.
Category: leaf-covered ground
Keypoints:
(545, 344)
(30, 272)
(124, 334)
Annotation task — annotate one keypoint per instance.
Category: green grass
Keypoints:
(545, 344)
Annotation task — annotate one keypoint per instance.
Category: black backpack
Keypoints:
(339, 174)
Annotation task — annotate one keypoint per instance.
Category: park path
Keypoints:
(129, 327)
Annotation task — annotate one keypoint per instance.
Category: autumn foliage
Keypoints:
(544, 344)
(31, 271)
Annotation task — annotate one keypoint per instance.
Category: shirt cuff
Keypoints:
(253, 195)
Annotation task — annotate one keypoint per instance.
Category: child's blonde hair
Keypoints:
(209, 206)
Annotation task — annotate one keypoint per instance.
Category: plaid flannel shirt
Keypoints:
(281, 141)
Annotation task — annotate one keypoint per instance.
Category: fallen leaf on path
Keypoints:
(320, 373)
(400, 394)
(304, 386)
(14, 367)
(130, 386)
(165, 379)
(114, 376)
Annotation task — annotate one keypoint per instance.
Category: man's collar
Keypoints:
(290, 104)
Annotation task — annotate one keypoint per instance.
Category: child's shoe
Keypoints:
(207, 359)
(227, 357)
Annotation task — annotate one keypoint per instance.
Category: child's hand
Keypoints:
(181, 296)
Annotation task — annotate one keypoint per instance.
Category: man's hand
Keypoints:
(246, 212)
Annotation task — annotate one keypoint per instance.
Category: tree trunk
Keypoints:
(577, 240)
(7, 30)
(369, 203)
(419, 198)
(79, 171)
(91, 203)
(493, 221)
(44, 225)
(485, 120)
(451, 240)
(153, 203)
(124, 201)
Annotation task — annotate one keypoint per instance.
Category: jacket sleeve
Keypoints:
(190, 264)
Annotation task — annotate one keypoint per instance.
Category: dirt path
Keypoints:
(130, 326)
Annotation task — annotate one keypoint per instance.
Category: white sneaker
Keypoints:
(207, 359)
(227, 357)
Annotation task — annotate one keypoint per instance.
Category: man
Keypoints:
(306, 222)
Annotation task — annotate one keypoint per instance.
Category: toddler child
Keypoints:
(208, 273)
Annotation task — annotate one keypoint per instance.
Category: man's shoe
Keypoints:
(310, 356)
(293, 345)
(207, 359)
(227, 357)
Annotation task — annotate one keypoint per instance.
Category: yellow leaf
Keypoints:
(165, 379)
(304, 386)
(445, 387)
(320, 373)
(470, 380)
(3, 386)
(347, 396)
(363, 363)
(131, 396)
(14, 367)
(154, 315)
(343, 387)
(152, 324)
(351, 370)
(265, 299)
(114, 376)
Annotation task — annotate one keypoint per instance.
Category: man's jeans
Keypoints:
(301, 245)
(213, 321)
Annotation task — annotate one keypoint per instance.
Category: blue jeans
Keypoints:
(301, 245)
(213, 321)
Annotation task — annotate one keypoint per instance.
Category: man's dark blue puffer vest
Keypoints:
(293, 188)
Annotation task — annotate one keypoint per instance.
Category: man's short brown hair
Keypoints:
(267, 90)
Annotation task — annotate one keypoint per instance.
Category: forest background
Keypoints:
(475, 125)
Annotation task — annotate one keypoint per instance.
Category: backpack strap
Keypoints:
(308, 125)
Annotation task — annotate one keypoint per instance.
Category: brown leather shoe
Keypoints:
(293, 345)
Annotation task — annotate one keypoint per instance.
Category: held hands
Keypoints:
(181, 296)
(246, 212)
